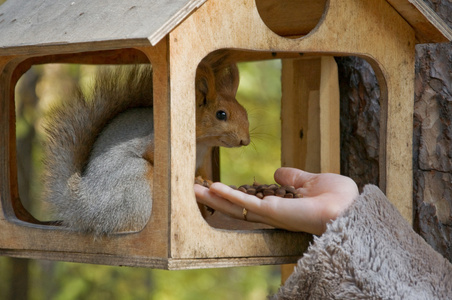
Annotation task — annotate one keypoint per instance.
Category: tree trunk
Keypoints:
(360, 120)
(432, 149)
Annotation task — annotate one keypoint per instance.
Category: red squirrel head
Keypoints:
(220, 119)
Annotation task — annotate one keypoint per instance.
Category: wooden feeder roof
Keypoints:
(428, 26)
(26, 24)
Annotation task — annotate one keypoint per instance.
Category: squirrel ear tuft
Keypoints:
(205, 83)
(228, 79)
(203, 86)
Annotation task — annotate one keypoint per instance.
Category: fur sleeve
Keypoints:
(370, 252)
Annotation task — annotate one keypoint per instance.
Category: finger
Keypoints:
(291, 214)
(294, 214)
(211, 199)
(292, 176)
(207, 197)
(259, 210)
(202, 194)
(235, 196)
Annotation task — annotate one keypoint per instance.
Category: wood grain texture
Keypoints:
(310, 118)
(429, 27)
(117, 56)
(329, 115)
(300, 84)
(292, 18)
(310, 115)
(49, 23)
(157, 263)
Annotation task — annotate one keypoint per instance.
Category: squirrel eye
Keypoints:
(221, 115)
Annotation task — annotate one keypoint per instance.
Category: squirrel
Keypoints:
(99, 154)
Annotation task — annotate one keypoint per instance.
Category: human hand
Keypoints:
(325, 197)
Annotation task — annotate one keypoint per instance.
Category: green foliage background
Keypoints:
(260, 93)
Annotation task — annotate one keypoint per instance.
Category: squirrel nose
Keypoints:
(245, 142)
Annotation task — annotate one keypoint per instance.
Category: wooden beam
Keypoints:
(310, 112)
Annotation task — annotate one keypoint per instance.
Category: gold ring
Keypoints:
(244, 213)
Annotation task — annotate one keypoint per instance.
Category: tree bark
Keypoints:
(360, 120)
(432, 149)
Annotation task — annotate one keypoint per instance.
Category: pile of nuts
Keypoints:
(259, 190)
(262, 190)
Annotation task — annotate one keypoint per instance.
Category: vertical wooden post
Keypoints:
(310, 135)
(160, 215)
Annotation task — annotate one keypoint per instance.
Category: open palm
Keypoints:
(325, 196)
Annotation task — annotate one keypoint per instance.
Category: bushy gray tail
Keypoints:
(74, 124)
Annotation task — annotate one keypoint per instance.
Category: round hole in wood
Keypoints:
(291, 18)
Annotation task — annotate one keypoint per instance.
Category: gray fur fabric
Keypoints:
(370, 252)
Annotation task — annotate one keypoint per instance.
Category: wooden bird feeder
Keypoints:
(174, 36)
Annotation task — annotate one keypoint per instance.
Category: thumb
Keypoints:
(292, 176)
